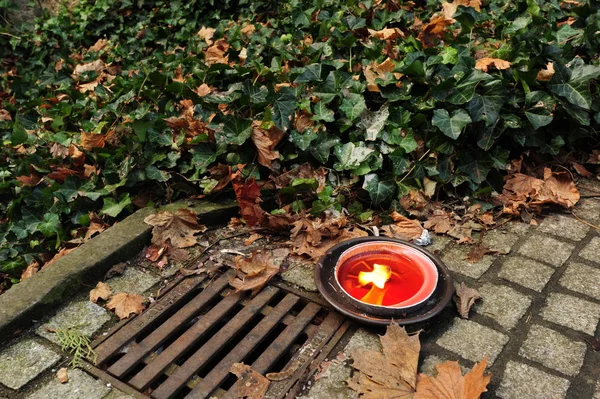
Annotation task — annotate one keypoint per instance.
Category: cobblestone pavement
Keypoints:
(540, 306)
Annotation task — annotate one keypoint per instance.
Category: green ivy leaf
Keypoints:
(373, 122)
(234, 131)
(322, 113)
(50, 225)
(353, 105)
(350, 156)
(476, 167)
(400, 162)
(311, 73)
(113, 208)
(321, 148)
(379, 191)
(451, 126)
(487, 107)
(284, 108)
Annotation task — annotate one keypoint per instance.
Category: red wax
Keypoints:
(405, 281)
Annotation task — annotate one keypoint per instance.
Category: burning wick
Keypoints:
(378, 277)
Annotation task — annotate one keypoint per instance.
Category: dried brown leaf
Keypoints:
(253, 237)
(451, 384)
(465, 299)
(207, 34)
(581, 170)
(179, 228)
(265, 142)
(544, 75)
(102, 291)
(253, 272)
(99, 45)
(203, 90)
(247, 194)
(62, 375)
(215, 54)
(251, 384)
(387, 33)
(89, 141)
(403, 228)
(31, 269)
(125, 304)
(485, 63)
(94, 66)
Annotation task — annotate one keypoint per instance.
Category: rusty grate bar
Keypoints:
(183, 346)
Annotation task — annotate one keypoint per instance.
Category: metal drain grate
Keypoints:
(185, 343)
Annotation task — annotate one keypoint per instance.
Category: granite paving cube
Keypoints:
(553, 350)
(521, 381)
(473, 341)
(500, 240)
(332, 384)
(79, 386)
(503, 304)
(23, 361)
(518, 227)
(363, 339)
(564, 226)
(583, 279)
(597, 394)
(526, 272)
(546, 249)
(572, 312)
(132, 281)
(455, 257)
(438, 243)
(300, 274)
(82, 315)
(588, 209)
(592, 250)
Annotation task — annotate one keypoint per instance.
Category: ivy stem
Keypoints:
(414, 166)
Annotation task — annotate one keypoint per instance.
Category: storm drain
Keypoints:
(183, 346)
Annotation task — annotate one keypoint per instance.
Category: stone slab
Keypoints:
(526, 272)
(503, 304)
(473, 341)
(438, 243)
(583, 279)
(564, 226)
(455, 257)
(82, 315)
(500, 241)
(588, 209)
(553, 350)
(300, 274)
(133, 281)
(363, 339)
(24, 361)
(591, 251)
(572, 312)
(521, 381)
(49, 288)
(80, 386)
(546, 249)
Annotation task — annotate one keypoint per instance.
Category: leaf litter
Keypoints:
(392, 373)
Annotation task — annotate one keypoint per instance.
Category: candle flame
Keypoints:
(378, 277)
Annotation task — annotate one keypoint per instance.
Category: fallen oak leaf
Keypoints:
(102, 291)
(179, 228)
(125, 304)
(465, 299)
(252, 385)
(451, 384)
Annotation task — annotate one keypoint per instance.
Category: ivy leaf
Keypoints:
(302, 140)
(373, 122)
(379, 191)
(234, 131)
(322, 113)
(350, 156)
(311, 73)
(400, 162)
(451, 126)
(488, 136)
(284, 108)
(487, 107)
(50, 225)
(321, 148)
(353, 105)
(476, 167)
(113, 208)
(539, 117)
(573, 84)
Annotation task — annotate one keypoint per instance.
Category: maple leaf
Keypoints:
(247, 194)
(179, 228)
(203, 90)
(485, 63)
(253, 272)
(265, 142)
(404, 228)
(478, 251)
(304, 235)
(102, 291)
(465, 299)
(62, 375)
(391, 374)
(125, 304)
(463, 231)
(435, 29)
(451, 384)
(253, 385)
(441, 222)
(374, 70)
